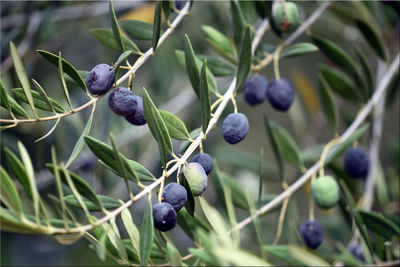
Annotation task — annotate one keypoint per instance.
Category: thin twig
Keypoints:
(136, 66)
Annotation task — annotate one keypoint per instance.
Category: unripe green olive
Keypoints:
(196, 177)
(286, 16)
(325, 192)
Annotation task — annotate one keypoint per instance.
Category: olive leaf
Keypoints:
(176, 127)
(22, 77)
(67, 67)
(244, 63)
(115, 27)
(204, 97)
(138, 29)
(157, 127)
(328, 104)
(156, 24)
(146, 234)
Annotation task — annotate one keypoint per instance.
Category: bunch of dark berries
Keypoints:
(121, 100)
(174, 195)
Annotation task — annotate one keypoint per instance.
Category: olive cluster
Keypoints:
(325, 193)
(174, 196)
(121, 100)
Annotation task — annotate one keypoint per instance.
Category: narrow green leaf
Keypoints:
(166, 6)
(121, 59)
(107, 202)
(38, 100)
(146, 235)
(82, 187)
(11, 223)
(356, 215)
(379, 224)
(106, 37)
(57, 179)
(82, 73)
(66, 178)
(115, 239)
(121, 164)
(256, 220)
(339, 149)
(204, 256)
(137, 29)
(282, 253)
(298, 50)
(286, 144)
(336, 54)
(218, 38)
(240, 199)
(156, 25)
(191, 66)
(216, 221)
(22, 77)
(218, 184)
(217, 66)
(181, 56)
(372, 37)
(190, 204)
(4, 98)
(238, 23)
(365, 66)
(63, 83)
(306, 257)
(105, 154)
(176, 127)
(173, 255)
(311, 154)
(115, 27)
(101, 245)
(275, 147)
(328, 104)
(19, 170)
(80, 143)
(249, 13)
(31, 178)
(9, 194)
(157, 127)
(204, 97)
(131, 229)
(239, 257)
(189, 223)
(67, 67)
(231, 215)
(244, 60)
(43, 95)
(15, 107)
(341, 83)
